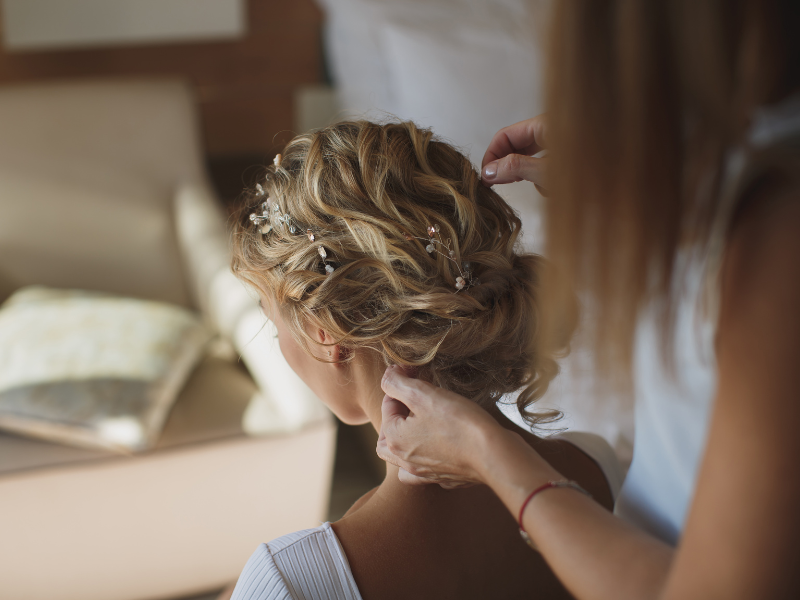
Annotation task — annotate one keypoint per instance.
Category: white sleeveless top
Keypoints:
(673, 414)
(308, 564)
(311, 564)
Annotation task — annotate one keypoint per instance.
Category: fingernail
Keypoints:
(490, 170)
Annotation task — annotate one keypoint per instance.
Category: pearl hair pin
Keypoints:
(328, 268)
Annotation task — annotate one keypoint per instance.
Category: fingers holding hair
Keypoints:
(411, 392)
(509, 157)
(516, 167)
(526, 137)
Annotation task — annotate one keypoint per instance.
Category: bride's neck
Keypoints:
(372, 408)
(366, 375)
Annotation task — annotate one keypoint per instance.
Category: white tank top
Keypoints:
(673, 414)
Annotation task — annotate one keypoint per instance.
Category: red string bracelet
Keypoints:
(562, 483)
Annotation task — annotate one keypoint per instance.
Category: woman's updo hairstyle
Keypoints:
(362, 189)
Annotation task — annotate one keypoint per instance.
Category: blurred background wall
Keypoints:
(245, 87)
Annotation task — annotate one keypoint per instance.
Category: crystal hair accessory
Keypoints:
(262, 220)
(464, 279)
(271, 217)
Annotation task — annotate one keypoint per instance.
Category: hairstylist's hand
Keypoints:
(433, 435)
(509, 157)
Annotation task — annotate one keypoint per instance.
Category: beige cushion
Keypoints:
(59, 234)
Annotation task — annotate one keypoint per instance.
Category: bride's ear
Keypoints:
(337, 354)
(341, 354)
(331, 351)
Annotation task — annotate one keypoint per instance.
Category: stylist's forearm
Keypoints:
(510, 466)
(595, 554)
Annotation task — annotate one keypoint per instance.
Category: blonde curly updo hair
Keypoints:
(363, 189)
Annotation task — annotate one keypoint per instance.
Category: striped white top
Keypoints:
(311, 564)
(304, 565)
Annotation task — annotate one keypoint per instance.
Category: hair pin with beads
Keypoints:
(271, 217)
(464, 279)
(328, 268)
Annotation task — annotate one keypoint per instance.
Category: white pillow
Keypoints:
(93, 370)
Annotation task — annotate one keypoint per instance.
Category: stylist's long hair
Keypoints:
(645, 97)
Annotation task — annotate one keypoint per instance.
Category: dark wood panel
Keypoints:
(245, 87)
(256, 123)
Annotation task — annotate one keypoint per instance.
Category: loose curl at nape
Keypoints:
(362, 189)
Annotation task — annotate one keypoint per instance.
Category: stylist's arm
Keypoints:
(437, 436)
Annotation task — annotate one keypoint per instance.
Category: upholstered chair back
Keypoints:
(88, 175)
